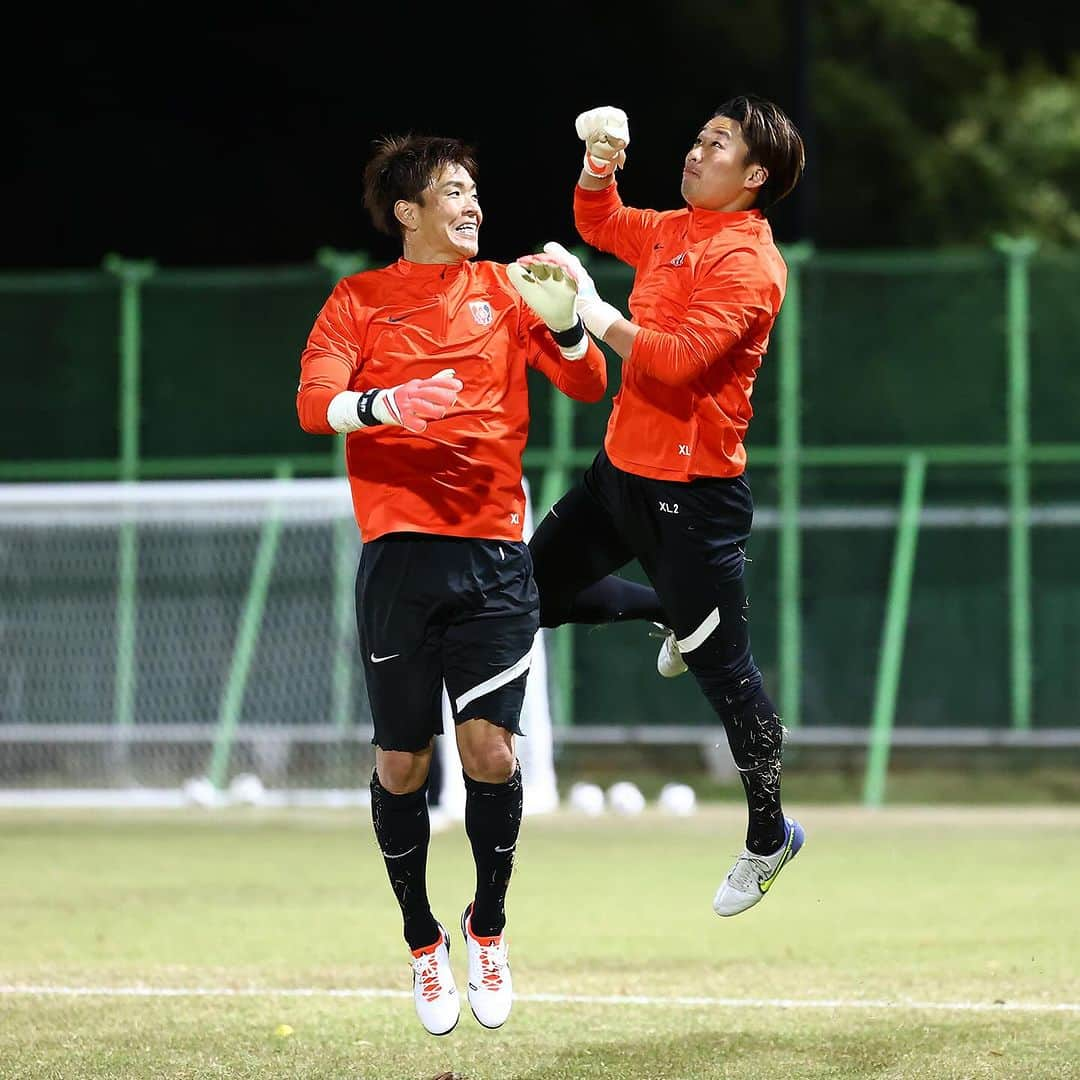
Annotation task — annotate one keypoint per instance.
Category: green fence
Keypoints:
(937, 390)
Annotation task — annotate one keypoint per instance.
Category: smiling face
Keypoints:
(716, 173)
(445, 226)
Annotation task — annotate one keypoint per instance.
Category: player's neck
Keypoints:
(429, 256)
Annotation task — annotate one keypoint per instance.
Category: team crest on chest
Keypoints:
(481, 312)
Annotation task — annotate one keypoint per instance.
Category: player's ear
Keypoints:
(758, 175)
(405, 212)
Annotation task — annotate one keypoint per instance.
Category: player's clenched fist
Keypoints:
(606, 132)
(414, 403)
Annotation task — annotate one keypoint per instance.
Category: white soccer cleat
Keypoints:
(434, 991)
(491, 990)
(669, 661)
(753, 875)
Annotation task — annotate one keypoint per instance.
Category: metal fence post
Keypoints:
(247, 638)
(892, 638)
(789, 333)
(1018, 252)
(131, 274)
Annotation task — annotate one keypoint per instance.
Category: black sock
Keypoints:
(403, 830)
(492, 821)
(614, 599)
(755, 736)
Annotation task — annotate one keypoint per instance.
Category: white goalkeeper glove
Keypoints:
(410, 405)
(552, 293)
(596, 314)
(606, 132)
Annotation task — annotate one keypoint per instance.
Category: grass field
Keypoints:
(903, 943)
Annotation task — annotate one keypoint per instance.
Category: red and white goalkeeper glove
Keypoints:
(410, 405)
(596, 314)
(606, 132)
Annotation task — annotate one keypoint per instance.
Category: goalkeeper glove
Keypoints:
(410, 405)
(552, 293)
(596, 314)
(606, 132)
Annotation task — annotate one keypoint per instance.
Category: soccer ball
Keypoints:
(587, 798)
(678, 799)
(625, 798)
(247, 789)
(199, 791)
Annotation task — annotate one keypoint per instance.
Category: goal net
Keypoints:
(171, 641)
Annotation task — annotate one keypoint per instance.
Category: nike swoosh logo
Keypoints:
(766, 885)
(401, 854)
(504, 850)
(379, 659)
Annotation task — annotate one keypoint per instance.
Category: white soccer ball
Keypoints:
(625, 798)
(587, 798)
(247, 789)
(678, 799)
(200, 791)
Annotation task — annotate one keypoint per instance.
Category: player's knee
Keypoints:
(490, 761)
(727, 685)
(402, 774)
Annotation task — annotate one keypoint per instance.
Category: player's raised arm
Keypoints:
(718, 318)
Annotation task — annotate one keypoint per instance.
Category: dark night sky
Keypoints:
(237, 134)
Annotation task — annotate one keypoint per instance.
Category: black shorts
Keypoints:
(440, 609)
(689, 537)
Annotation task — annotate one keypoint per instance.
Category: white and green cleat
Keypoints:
(752, 876)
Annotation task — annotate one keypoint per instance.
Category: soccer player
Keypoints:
(423, 365)
(668, 486)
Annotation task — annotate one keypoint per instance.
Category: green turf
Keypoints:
(964, 905)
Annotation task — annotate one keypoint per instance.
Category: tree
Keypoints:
(925, 137)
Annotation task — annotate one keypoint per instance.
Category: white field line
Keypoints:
(17, 990)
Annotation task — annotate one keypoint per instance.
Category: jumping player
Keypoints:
(668, 486)
(423, 365)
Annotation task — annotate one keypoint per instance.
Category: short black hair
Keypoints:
(772, 141)
(403, 167)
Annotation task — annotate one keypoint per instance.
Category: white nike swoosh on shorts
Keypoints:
(379, 659)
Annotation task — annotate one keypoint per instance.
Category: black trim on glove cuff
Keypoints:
(365, 403)
(567, 339)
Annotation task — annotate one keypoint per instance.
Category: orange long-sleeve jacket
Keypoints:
(707, 290)
(462, 476)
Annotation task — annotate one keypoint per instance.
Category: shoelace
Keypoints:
(492, 962)
(427, 971)
(749, 871)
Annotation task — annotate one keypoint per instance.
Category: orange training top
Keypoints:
(462, 476)
(707, 289)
